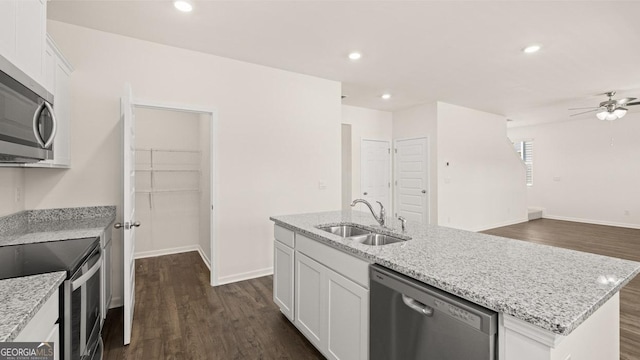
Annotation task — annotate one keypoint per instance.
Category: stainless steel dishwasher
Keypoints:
(412, 320)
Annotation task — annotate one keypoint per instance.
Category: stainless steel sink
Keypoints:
(363, 236)
(376, 239)
(344, 230)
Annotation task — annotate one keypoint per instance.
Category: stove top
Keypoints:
(39, 258)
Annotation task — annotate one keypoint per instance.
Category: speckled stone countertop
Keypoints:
(555, 289)
(55, 224)
(21, 298)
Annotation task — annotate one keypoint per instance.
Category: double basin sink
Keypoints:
(362, 235)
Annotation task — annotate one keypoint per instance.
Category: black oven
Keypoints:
(82, 314)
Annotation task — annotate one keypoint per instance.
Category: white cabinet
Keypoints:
(57, 80)
(22, 35)
(283, 278)
(105, 281)
(330, 292)
(310, 300)
(348, 318)
(44, 325)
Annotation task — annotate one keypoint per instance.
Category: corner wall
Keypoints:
(483, 186)
(586, 170)
(278, 136)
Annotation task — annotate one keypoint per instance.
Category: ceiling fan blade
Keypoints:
(624, 100)
(590, 107)
(584, 112)
(633, 103)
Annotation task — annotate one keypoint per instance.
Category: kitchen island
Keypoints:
(553, 303)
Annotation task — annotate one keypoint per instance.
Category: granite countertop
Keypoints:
(553, 288)
(55, 224)
(21, 298)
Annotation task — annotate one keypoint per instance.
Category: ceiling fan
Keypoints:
(610, 109)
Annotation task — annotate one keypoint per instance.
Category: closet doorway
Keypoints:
(174, 182)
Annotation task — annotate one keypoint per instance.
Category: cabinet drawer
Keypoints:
(342, 263)
(283, 235)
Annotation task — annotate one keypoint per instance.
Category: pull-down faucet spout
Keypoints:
(379, 218)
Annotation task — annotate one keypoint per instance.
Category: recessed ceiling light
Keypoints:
(183, 5)
(386, 96)
(355, 56)
(532, 49)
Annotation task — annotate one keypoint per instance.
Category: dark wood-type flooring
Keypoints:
(179, 316)
(598, 239)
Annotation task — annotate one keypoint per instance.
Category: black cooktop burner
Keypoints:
(39, 258)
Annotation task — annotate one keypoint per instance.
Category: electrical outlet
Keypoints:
(322, 185)
(18, 195)
(556, 178)
(627, 213)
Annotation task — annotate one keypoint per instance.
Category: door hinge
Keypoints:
(389, 150)
(396, 182)
(396, 150)
(389, 184)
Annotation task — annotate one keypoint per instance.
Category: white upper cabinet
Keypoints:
(23, 28)
(57, 80)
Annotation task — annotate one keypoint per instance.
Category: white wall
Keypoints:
(11, 180)
(365, 124)
(347, 166)
(484, 184)
(421, 121)
(586, 170)
(278, 136)
(170, 219)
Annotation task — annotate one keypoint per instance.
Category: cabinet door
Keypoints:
(283, 278)
(54, 337)
(8, 29)
(30, 37)
(348, 318)
(311, 301)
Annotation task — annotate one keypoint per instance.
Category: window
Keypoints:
(525, 150)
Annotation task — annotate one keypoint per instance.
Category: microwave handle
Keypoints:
(54, 123)
(36, 118)
(86, 276)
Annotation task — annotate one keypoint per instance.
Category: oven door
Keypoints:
(83, 315)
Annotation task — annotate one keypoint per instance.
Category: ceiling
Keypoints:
(464, 53)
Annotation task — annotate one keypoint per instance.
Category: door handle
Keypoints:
(136, 224)
(417, 306)
(54, 123)
(117, 225)
(36, 120)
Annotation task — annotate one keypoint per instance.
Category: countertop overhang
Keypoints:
(553, 288)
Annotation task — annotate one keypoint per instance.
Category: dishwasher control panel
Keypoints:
(459, 313)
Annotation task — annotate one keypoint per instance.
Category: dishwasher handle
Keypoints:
(417, 306)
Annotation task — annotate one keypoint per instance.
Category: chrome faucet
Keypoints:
(379, 218)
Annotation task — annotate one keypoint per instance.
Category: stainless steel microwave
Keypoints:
(27, 120)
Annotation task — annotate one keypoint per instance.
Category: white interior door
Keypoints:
(412, 179)
(375, 169)
(128, 208)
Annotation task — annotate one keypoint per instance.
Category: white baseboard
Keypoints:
(245, 276)
(505, 223)
(589, 221)
(176, 250)
(116, 302)
(204, 258)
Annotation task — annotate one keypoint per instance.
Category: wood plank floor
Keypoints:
(598, 239)
(179, 316)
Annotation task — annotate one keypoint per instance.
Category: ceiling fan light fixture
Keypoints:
(602, 115)
(620, 112)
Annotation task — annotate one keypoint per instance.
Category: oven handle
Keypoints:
(86, 276)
